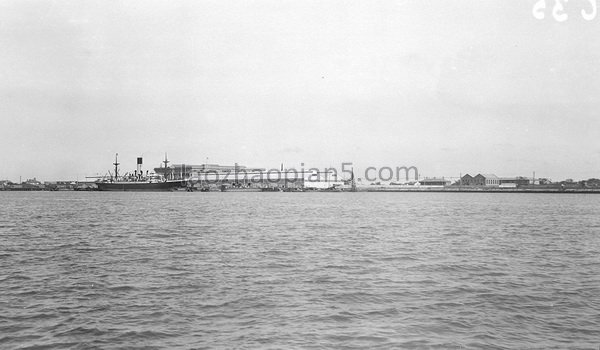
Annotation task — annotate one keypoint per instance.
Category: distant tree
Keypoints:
(545, 181)
(593, 182)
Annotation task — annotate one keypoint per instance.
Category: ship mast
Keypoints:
(116, 164)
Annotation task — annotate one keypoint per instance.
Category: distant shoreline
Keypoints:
(374, 190)
(485, 190)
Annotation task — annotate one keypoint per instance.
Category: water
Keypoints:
(299, 270)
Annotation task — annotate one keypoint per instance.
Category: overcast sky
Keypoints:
(448, 86)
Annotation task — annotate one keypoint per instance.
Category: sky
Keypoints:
(448, 86)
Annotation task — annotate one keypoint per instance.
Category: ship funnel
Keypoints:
(139, 165)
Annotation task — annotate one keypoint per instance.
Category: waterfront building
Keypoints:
(466, 180)
(322, 180)
(29, 185)
(491, 180)
(487, 180)
(434, 181)
(479, 180)
(59, 185)
(517, 181)
(224, 177)
(185, 171)
(214, 176)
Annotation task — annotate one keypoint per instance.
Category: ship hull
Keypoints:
(139, 186)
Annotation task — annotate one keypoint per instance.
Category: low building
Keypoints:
(479, 180)
(486, 180)
(434, 182)
(517, 181)
(59, 185)
(466, 180)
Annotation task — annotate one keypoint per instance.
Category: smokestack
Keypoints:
(139, 164)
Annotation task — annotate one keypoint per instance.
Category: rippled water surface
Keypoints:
(299, 270)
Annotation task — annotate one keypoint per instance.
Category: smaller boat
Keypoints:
(239, 188)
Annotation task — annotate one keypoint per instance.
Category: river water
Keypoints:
(85, 270)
